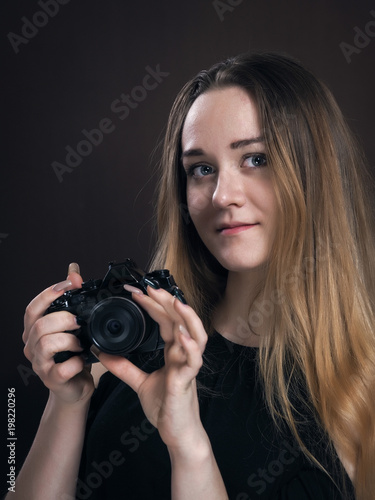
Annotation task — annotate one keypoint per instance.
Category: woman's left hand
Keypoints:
(169, 396)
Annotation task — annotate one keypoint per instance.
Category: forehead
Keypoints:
(227, 114)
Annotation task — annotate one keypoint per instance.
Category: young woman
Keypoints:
(265, 387)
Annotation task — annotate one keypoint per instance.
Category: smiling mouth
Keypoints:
(228, 230)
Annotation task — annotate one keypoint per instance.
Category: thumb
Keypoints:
(122, 368)
(74, 275)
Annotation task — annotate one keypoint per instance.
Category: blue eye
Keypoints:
(200, 170)
(256, 160)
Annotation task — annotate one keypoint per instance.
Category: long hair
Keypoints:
(321, 270)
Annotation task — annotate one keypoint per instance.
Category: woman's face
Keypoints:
(230, 195)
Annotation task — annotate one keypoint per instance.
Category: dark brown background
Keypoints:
(65, 80)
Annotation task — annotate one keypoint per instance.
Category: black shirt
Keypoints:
(125, 458)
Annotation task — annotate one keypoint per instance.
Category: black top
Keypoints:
(125, 458)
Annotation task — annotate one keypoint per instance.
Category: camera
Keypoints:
(107, 315)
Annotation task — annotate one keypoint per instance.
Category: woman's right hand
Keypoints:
(70, 382)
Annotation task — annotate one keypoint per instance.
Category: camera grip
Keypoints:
(60, 357)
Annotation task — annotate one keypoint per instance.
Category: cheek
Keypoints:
(264, 196)
(270, 206)
(199, 200)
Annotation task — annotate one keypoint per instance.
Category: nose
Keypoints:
(228, 191)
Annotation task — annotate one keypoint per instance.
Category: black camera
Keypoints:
(107, 315)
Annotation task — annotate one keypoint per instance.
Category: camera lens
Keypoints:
(117, 325)
(114, 327)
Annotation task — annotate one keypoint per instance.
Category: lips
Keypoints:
(235, 227)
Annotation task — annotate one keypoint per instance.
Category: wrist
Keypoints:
(195, 473)
(194, 450)
(62, 419)
(58, 406)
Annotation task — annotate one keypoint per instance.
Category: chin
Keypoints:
(243, 267)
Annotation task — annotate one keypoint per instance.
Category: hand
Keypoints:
(44, 336)
(168, 395)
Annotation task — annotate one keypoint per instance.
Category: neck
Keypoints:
(231, 318)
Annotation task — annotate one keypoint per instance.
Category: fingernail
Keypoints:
(184, 332)
(153, 284)
(73, 268)
(133, 289)
(179, 295)
(95, 351)
(80, 321)
(63, 285)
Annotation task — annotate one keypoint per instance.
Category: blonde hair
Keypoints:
(322, 261)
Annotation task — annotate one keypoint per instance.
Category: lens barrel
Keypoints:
(117, 325)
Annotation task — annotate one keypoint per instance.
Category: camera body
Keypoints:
(107, 315)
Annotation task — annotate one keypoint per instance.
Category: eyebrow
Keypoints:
(246, 142)
(234, 145)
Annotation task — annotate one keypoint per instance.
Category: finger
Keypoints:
(61, 373)
(183, 348)
(56, 322)
(170, 315)
(44, 365)
(183, 360)
(122, 368)
(192, 350)
(157, 313)
(73, 268)
(49, 345)
(74, 275)
(166, 300)
(38, 306)
(193, 323)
